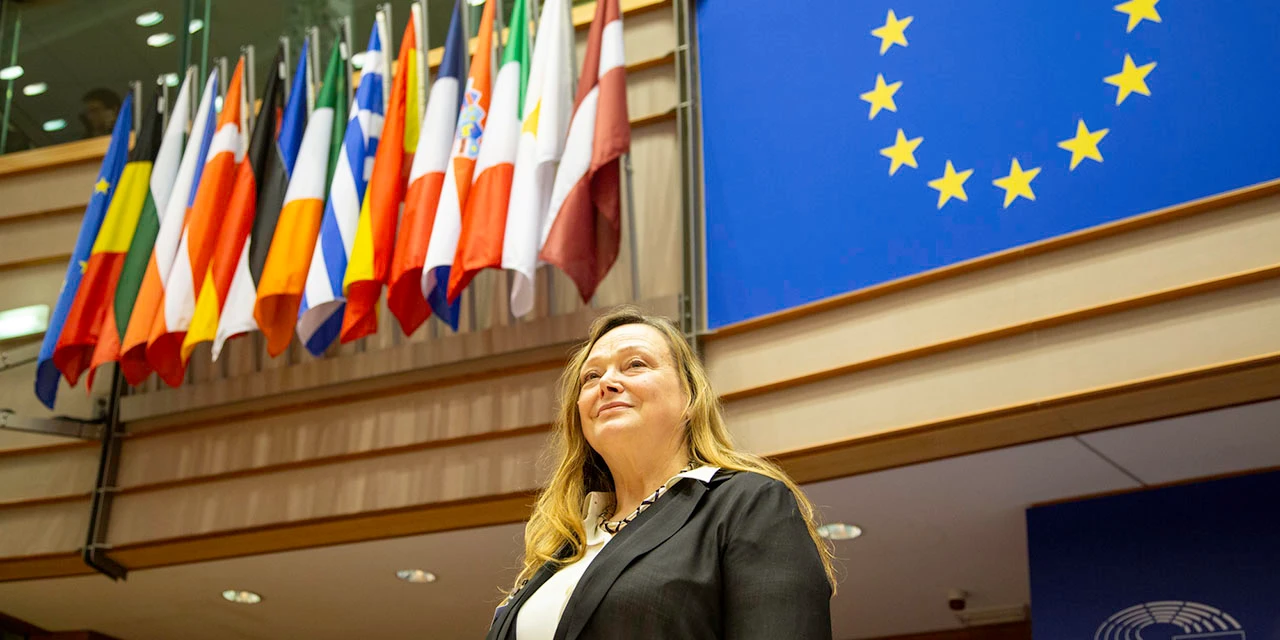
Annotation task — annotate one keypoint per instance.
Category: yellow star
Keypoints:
(1139, 10)
(881, 97)
(893, 32)
(951, 184)
(101, 185)
(1017, 183)
(83, 266)
(902, 152)
(1084, 145)
(1131, 79)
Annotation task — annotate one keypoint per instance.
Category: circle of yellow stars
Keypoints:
(1131, 79)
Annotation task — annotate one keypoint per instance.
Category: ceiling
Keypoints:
(954, 523)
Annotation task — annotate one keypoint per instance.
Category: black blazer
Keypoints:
(727, 559)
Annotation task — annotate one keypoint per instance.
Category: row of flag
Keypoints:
(214, 227)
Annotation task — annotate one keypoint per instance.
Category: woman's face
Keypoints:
(631, 397)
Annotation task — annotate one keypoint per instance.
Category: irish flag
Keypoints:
(458, 177)
(284, 272)
(108, 175)
(195, 248)
(582, 232)
(484, 219)
(133, 350)
(404, 295)
(92, 314)
(376, 229)
(548, 104)
(320, 320)
(230, 260)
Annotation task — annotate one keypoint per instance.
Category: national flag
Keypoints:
(87, 320)
(320, 319)
(439, 124)
(270, 182)
(195, 249)
(582, 232)
(133, 350)
(284, 272)
(108, 176)
(164, 172)
(548, 105)
(231, 253)
(376, 230)
(458, 177)
(484, 219)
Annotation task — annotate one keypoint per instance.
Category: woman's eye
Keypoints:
(590, 375)
(636, 363)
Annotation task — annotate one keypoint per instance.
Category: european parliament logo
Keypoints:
(1180, 620)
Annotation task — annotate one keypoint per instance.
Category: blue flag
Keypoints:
(924, 133)
(103, 188)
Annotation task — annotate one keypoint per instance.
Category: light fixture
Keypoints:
(475, 3)
(35, 89)
(416, 575)
(57, 124)
(195, 25)
(839, 531)
(11, 73)
(170, 79)
(217, 103)
(24, 321)
(149, 19)
(240, 596)
(159, 39)
(357, 60)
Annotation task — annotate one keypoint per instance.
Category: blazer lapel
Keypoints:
(503, 626)
(650, 529)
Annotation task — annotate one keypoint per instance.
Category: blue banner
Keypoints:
(849, 144)
(1199, 561)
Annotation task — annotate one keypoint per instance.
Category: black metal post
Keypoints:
(95, 547)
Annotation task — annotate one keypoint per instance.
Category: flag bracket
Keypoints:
(95, 548)
(58, 426)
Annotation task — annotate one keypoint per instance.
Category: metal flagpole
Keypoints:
(350, 51)
(421, 21)
(165, 107)
(224, 81)
(248, 84)
(137, 107)
(8, 92)
(284, 68)
(382, 18)
(313, 38)
(466, 32)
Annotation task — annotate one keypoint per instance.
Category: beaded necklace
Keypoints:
(614, 527)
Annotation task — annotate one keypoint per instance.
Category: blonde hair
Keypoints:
(557, 516)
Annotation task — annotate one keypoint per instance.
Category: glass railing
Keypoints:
(65, 66)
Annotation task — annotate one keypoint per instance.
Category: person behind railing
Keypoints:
(652, 525)
(98, 111)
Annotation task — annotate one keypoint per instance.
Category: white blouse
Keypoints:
(540, 615)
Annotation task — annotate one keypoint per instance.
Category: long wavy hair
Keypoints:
(556, 523)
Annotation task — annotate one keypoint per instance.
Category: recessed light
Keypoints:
(839, 531)
(195, 25)
(57, 124)
(240, 596)
(149, 19)
(357, 60)
(11, 73)
(159, 39)
(35, 89)
(170, 79)
(24, 321)
(416, 575)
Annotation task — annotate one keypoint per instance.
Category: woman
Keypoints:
(652, 525)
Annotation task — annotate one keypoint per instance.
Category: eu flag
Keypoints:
(852, 143)
(103, 188)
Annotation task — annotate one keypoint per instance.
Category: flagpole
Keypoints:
(248, 82)
(284, 70)
(194, 104)
(163, 88)
(382, 19)
(8, 93)
(204, 40)
(137, 106)
(421, 21)
(350, 51)
(224, 77)
(574, 71)
(466, 32)
(313, 37)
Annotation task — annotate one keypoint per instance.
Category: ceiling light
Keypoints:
(839, 531)
(195, 25)
(57, 124)
(240, 596)
(357, 61)
(25, 321)
(35, 89)
(416, 575)
(149, 19)
(159, 39)
(475, 3)
(11, 73)
(170, 79)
